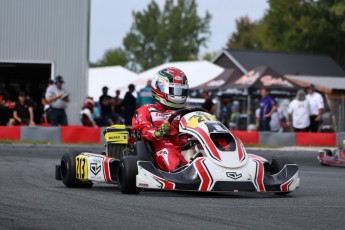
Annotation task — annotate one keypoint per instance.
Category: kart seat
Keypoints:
(144, 151)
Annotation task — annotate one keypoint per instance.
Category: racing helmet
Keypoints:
(170, 88)
(88, 103)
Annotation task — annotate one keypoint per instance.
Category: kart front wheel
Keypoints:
(128, 170)
(68, 172)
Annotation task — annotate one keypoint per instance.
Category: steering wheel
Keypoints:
(183, 112)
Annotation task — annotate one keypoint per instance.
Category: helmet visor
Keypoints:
(176, 90)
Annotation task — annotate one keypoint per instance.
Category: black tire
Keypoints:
(68, 173)
(277, 164)
(116, 151)
(127, 172)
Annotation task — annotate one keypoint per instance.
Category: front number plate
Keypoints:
(81, 167)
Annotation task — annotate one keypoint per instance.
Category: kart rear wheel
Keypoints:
(116, 150)
(128, 170)
(68, 173)
(277, 164)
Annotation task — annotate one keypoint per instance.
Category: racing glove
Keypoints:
(164, 130)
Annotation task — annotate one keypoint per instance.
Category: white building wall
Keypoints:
(55, 31)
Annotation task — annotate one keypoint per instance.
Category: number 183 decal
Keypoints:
(81, 167)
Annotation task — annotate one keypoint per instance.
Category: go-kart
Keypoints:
(335, 157)
(217, 160)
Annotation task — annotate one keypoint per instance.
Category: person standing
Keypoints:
(208, 104)
(57, 97)
(145, 95)
(267, 108)
(299, 112)
(316, 107)
(118, 103)
(23, 112)
(275, 122)
(129, 105)
(106, 107)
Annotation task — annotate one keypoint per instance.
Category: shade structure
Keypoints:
(197, 72)
(256, 79)
(224, 78)
(114, 77)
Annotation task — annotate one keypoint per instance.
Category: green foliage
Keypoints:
(296, 26)
(210, 55)
(245, 36)
(112, 57)
(174, 33)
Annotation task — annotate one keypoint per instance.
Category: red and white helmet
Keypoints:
(170, 88)
(88, 103)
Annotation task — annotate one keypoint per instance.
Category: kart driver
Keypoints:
(169, 90)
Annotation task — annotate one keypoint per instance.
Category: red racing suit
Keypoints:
(146, 120)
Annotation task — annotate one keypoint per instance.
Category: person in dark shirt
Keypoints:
(267, 108)
(118, 103)
(208, 104)
(106, 107)
(129, 105)
(23, 112)
(4, 106)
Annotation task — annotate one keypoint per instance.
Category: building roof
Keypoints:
(284, 63)
(114, 77)
(325, 85)
(197, 72)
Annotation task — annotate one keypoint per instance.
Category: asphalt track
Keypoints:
(30, 198)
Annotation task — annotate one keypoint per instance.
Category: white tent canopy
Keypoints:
(197, 72)
(114, 77)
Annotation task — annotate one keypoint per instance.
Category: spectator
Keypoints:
(225, 112)
(316, 107)
(235, 116)
(106, 107)
(57, 98)
(129, 105)
(267, 108)
(46, 106)
(86, 114)
(117, 103)
(257, 118)
(328, 122)
(23, 112)
(299, 109)
(208, 104)
(275, 122)
(4, 110)
(145, 95)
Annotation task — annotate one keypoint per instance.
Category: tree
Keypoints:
(174, 33)
(245, 35)
(310, 26)
(112, 57)
(209, 55)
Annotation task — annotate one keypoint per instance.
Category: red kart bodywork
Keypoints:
(334, 157)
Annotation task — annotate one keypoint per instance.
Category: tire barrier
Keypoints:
(10, 133)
